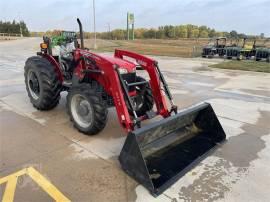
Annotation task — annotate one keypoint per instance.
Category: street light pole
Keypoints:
(18, 16)
(94, 15)
(21, 29)
(109, 26)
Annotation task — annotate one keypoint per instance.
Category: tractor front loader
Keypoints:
(155, 155)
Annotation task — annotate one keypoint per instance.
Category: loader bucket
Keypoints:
(159, 154)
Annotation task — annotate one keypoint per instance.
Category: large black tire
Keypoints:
(211, 55)
(96, 109)
(42, 83)
(257, 59)
(239, 57)
(145, 101)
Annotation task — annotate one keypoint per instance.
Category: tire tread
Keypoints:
(50, 82)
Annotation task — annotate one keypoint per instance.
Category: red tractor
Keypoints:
(155, 155)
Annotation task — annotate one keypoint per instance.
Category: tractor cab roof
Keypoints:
(214, 40)
(217, 38)
(221, 38)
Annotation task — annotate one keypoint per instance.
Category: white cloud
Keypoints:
(244, 16)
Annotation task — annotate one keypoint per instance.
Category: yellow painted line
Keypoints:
(48, 187)
(17, 174)
(10, 189)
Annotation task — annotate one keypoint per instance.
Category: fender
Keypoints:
(55, 64)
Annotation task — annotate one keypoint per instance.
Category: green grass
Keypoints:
(244, 65)
(163, 47)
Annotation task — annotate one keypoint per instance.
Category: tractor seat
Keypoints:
(248, 47)
(68, 61)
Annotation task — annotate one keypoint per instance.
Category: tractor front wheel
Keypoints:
(239, 57)
(268, 58)
(144, 100)
(42, 84)
(211, 55)
(257, 58)
(87, 109)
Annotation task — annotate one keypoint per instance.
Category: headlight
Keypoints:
(122, 71)
(43, 46)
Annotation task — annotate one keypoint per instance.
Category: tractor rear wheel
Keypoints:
(87, 109)
(144, 100)
(42, 84)
(211, 55)
(239, 57)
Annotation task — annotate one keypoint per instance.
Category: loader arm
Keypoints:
(155, 75)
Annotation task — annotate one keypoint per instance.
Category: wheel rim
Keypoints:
(82, 111)
(33, 84)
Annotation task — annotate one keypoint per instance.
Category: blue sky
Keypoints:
(248, 16)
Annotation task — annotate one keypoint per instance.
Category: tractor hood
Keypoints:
(123, 64)
(127, 66)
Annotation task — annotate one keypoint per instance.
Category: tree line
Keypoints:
(14, 27)
(171, 32)
(162, 32)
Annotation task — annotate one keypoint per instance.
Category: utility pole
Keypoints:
(21, 29)
(20, 24)
(94, 15)
(109, 28)
(127, 26)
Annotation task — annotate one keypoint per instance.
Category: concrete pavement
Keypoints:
(85, 168)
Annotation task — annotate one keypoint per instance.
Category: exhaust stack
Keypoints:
(81, 33)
